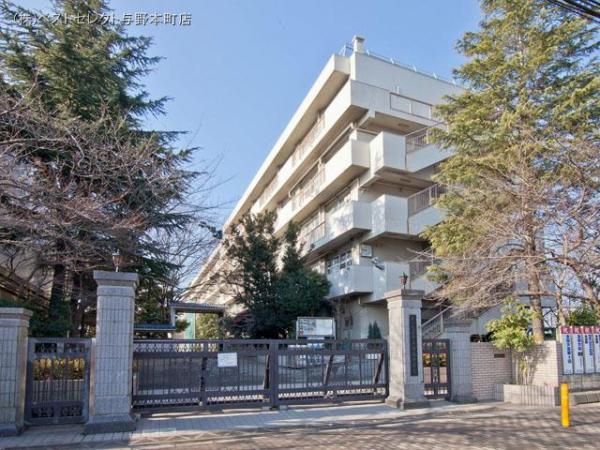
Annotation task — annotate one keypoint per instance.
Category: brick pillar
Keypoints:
(112, 354)
(14, 325)
(405, 349)
(461, 380)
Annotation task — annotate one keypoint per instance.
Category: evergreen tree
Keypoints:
(252, 249)
(208, 326)
(531, 101)
(92, 72)
(273, 297)
(300, 290)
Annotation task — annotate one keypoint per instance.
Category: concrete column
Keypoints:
(405, 350)
(461, 380)
(14, 325)
(112, 354)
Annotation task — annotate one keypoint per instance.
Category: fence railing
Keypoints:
(424, 199)
(232, 372)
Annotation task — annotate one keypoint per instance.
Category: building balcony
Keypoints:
(375, 280)
(392, 155)
(339, 225)
(352, 280)
(405, 216)
(349, 161)
(422, 212)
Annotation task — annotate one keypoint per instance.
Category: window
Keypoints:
(339, 262)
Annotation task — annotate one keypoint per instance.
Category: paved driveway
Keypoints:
(484, 426)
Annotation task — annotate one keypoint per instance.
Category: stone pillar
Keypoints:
(405, 350)
(112, 354)
(14, 325)
(461, 380)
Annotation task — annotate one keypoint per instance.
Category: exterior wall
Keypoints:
(489, 366)
(545, 365)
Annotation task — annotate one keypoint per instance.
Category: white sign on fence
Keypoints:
(588, 349)
(227, 360)
(567, 340)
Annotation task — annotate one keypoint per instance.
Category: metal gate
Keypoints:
(58, 372)
(225, 373)
(436, 368)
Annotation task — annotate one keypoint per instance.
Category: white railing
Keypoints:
(347, 50)
(309, 190)
(307, 141)
(309, 237)
(295, 158)
(424, 199)
(437, 324)
(417, 140)
(268, 192)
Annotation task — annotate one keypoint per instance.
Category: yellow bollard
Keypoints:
(564, 405)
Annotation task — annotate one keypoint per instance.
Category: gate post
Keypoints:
(112, 354)
(14, 325)
(406, 388)
(461, 383)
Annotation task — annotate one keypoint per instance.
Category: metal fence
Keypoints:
(57, 389)
(436, 368)
(231, 372)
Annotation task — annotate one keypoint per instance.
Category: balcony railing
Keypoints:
(424, 199)
(417, 140)
(307, 141)
(309, 237)
(268, 192)
(418, 267)
(309, 190)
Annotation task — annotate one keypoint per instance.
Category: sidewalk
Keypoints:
(166, 425)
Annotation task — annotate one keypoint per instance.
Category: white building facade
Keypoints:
(354, 168)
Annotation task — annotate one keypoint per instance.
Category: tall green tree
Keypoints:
(300, 290)
(91, 71)
(252, 249)
(530, 103)
(273, 296)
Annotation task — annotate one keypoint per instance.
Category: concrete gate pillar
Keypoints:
(461, 381)
(112, 354)
(405, 350)
(14, 326)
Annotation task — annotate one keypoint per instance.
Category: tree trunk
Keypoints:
(56, 308)
(76, 305)
(560, 312)
(535, 302)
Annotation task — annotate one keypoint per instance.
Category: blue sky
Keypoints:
(237, 74)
